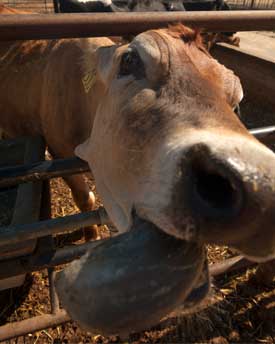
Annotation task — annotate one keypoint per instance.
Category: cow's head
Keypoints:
(167, 150)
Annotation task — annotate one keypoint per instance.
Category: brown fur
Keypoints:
(187, 34)
(204, 40)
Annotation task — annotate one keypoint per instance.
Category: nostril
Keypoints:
(216, 189)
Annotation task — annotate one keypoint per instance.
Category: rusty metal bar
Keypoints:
(41, 170)
(17, 233)
(41, 322)
(10, 176)
(39, 26)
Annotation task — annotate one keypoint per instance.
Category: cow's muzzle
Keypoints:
(228, 192)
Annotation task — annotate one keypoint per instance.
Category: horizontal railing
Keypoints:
(47, 26)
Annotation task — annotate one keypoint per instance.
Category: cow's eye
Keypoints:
(131, 63)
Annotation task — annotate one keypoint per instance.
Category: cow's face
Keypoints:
(168, 152)
(167, 145)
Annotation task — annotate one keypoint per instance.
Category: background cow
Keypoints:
(70, 6)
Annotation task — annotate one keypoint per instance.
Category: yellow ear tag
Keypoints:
(88, 80)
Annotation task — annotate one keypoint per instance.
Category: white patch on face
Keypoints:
(104, 2)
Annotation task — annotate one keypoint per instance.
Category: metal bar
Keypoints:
(39, 26)
(230, 265)
(53, 294)
(45, 260)
(17, 233)
(41, 170)
(265, 134)
(10, 176)
(23, 327)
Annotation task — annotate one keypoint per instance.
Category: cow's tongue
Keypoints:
(130, 282)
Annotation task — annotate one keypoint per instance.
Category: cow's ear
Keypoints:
(228, 82)
(231, 86)
(95, 52)
(105, 62)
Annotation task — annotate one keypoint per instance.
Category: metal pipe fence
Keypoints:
(38, 26)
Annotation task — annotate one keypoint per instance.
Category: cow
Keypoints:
(175, 162)
(175, 167)
(76, 6)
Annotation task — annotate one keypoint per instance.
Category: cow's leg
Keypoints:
(83, 197)
(85, 201)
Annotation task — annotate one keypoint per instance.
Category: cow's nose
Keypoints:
(215, 189)
(224, 193)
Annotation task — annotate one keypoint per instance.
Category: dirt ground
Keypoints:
(240, 309)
